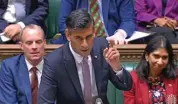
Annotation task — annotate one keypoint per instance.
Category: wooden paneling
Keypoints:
(130, 52)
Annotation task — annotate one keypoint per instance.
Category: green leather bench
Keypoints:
(52, 19)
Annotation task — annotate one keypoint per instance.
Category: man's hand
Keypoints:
(118, 38)
(112, 56)
(12, 31)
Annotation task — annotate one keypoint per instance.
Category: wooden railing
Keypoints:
(128, 53)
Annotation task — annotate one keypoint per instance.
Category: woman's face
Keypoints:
(157, 60)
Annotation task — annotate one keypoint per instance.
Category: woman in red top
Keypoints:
(155, 79)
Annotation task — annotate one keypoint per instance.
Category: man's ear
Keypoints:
(21, 45)
(44, 41)
(67, 33)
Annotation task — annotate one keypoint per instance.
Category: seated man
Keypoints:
(16, 14)
(21, 74)
(78, 72)
(114, 19)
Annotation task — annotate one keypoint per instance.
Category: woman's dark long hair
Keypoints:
(156, 42)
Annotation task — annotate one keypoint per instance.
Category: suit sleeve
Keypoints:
(48, 85)
(7, 88)
(38, 15)
(3, 23)
(141, 12)
(123, 81)
(127, 15)
(66, 8)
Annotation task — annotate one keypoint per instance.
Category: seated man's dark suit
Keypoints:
(60, 80)
(36, 12)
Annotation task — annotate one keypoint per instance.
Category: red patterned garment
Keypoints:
(157, 93)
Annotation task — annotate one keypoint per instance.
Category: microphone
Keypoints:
(98, 101)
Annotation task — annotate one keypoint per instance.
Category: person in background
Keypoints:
(158, 16)
(20, 75)
(155, 79)
(16, 14)
(78, 72)
(114, 19)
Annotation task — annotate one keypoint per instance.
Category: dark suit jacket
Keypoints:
(117, 14)
(60, 79)
(14, 81)
(36, 12)
(139, 94)
(148, 10)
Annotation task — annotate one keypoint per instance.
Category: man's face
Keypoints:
(33, 44)
(81, 40)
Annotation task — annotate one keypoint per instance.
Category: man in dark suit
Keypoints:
(20, 75)
(65, 78)
(117, 16)
(16, 14)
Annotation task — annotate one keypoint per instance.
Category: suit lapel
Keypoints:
(72, 69)
(144, 92)
(170, 4)
(24, 78)
(158, 4)
(105, 8)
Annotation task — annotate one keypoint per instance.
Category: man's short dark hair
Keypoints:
(79, 19)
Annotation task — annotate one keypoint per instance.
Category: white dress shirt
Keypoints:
(10, 14)
(78, 61)
(39, 71)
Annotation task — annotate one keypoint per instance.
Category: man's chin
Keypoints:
(36, 58)
(85, 53)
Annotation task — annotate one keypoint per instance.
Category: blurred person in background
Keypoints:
(114, 19)
(16, 14)
(158, 16)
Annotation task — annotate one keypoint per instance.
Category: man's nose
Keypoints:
(84, 43)
(34, 45)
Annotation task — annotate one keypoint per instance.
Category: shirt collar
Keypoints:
(78, 58)
(39, 66)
